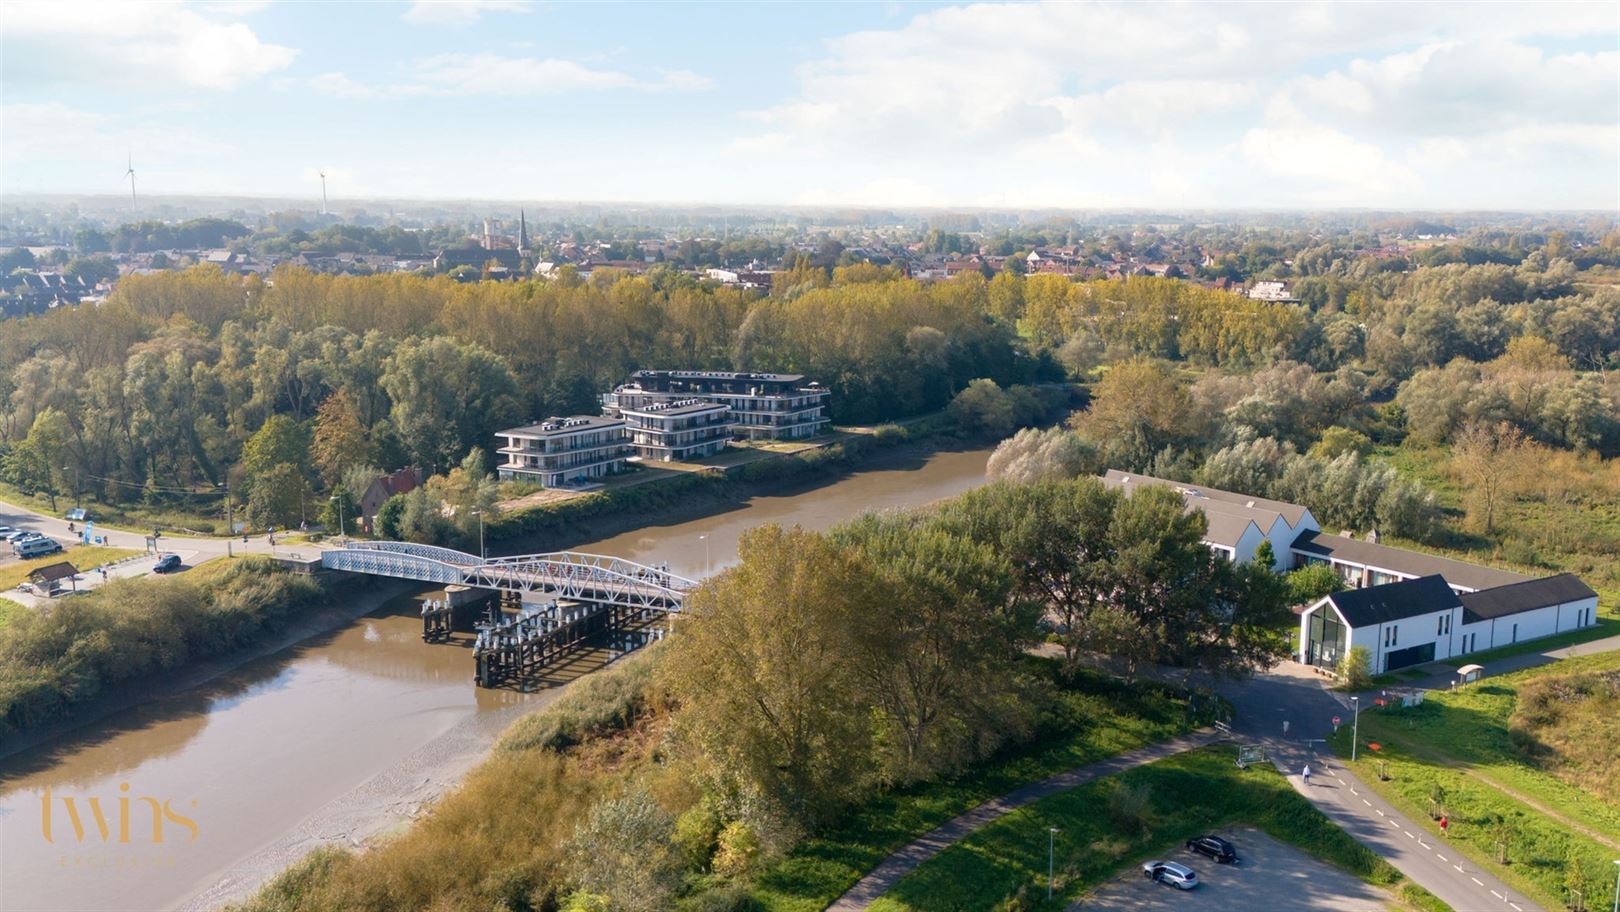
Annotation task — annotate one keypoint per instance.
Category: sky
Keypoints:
(1072, 105)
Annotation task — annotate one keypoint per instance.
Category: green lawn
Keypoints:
(8, 609)
(85, 557)
(205, 515)
(1185, 794)
(1461, 741)
(1099, 718)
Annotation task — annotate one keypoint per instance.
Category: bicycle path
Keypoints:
(905, 860)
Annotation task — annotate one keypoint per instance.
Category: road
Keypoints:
(1289, 693)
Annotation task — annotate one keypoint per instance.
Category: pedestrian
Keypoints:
(1444, 823)
(1307, 774)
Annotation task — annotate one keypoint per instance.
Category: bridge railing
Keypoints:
(431, 552)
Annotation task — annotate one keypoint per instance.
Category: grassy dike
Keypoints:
(1111, 823)
(1540, 795)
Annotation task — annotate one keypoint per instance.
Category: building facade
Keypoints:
(561, 451)
(763, 406)
(679, 429)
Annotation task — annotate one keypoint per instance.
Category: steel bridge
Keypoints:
(590, 578)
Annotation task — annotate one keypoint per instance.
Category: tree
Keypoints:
(1043, 454)
(1490, 459)
(448, 397)
(1355, 668)
(280, 441)
(1139, 407)
(759, 667)
(340, 438)
(1337, 441)
(390, 518)
(984, 408)
(342, 511)
(279, 498)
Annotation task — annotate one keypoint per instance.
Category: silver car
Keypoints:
(1179, 876)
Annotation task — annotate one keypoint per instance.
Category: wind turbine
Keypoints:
(323, 192)
(131, 175)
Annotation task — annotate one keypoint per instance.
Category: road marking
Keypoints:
(1441, 857)
(1380, 813)
(1353, 791)
(1458, 867)
(1408, 834)
(1496, 894)
(1477, 881)
(1515, 905)
(1366, 802)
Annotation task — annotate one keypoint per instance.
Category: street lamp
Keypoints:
(705, 540)
(480, 515)
(1617, 887)
(1051, 851)
(1355, 726)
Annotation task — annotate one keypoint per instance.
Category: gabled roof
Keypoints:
(50, 573)
(1400, 560)
(1291, 512)
(1526, 596)
(1394, 601)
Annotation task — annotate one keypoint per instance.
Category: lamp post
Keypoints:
(1617, 887)
(1355, 725)
(705, 540)
(1051, 852)
(480, 515)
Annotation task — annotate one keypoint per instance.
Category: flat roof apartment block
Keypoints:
(560, 451)
(678, 429)
(763, 406)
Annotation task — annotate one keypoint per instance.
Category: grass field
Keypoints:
(85, 557)
(1110, 823)
(8, 608)
(205, 516)
(1546, 791)
(1101, 718)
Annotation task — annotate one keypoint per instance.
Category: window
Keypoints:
(1444, 626)
(1392, 635)
(1515, 634)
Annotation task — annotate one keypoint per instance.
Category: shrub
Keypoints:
(609, 700)
(1130, 807)
(697, 834)
(738, 850)
(1355, 669)
(724, 898)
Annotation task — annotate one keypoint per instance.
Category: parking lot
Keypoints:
(1272, 876)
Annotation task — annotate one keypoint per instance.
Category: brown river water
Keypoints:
(205, 793)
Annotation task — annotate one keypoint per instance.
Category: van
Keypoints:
(36, 547)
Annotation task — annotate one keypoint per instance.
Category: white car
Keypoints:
(1179, 876)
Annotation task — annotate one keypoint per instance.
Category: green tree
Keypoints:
(341, 512)
(390, 518)
(759, 666)
(280, 498)
(280, 441)
(339, 439)
(1355, 669)
(623, 851)
(447, 398)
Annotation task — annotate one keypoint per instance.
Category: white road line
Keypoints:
(1496, 894)
(1408, 834)
(1354, 792)
(1477, 880)
(1441, 857)
(1458, 867)
(1515, 905)
(1366, 802)
(1380, 813)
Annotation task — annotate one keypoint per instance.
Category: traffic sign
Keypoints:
(1335, 720)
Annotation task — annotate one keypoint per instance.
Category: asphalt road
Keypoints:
(1290, 693)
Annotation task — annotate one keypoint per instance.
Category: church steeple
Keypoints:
(523, 234)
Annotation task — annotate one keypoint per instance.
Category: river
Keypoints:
(322, 740)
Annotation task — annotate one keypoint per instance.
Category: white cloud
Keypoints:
(459, 12)
(492, 74)
(46, 137)
(134, 45)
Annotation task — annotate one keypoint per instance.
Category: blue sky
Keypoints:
(1074, 104)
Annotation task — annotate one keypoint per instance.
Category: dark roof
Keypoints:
(1394, 601)
(1400, 560)
(1525, 596)
(50, 573)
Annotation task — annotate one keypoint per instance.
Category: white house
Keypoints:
(562, 451)
(1238, 523)
(1413, 621)
(1363, 563)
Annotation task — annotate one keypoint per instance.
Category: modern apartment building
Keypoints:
(560, 451)
(763, 406)
(678, 429)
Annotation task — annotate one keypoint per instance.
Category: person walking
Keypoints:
(1445, 822)
(1307, 774)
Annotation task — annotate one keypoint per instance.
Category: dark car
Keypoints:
(168, 563)
(1218, 849)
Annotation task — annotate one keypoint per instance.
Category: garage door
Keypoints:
(1415, 655)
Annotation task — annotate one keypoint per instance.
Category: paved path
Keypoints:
(1443, 673)
(1288, 692)
(919, 850)
(24, 518)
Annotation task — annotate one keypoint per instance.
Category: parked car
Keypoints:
(6, 530)
(168, 563)
(1218, 849)
(36, 547)
(1179, 876)
(17, 535)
